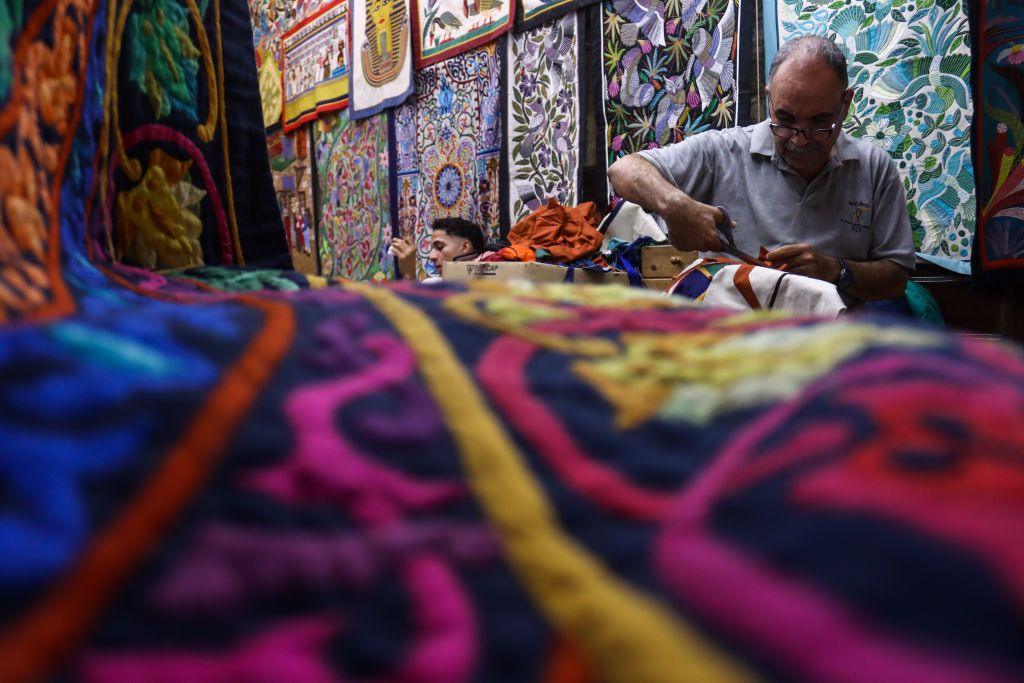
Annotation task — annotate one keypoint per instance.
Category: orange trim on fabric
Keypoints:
(36, 643)
(566, 665)
(741, 279)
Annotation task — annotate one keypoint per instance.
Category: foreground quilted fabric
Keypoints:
(243, 476)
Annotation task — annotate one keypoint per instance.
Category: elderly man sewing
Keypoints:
(826, 205)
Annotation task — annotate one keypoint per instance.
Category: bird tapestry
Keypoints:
(316, 68)
(543, 116)
(909, 64)
(354, 221)
(669, 71)
(999, 135)
(381, 56)
(448, 145)
(445, 28)
(239, 475)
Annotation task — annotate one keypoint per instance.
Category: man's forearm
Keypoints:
(873, 280)
(637, 180)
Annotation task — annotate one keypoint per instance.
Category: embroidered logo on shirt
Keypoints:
(859, 218)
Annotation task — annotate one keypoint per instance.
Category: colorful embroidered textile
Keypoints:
(271, 19)
(316, 70)
(486, 484)
(382, 68)
(448, 143)
(908, 64)
(543, 116)
(445, 28)
(670, 71)
(353, 217)
(999, 244)
(291, 168)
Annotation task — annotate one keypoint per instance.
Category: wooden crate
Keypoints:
(664, 261)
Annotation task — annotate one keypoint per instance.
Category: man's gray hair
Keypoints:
(816, 46)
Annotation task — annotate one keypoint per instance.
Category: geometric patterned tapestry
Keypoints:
(448, 143)
(543, 116)
(352, 199)
(999, 130)
(669, 71)
(909, 64)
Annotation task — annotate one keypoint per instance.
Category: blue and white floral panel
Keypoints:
(909, 64)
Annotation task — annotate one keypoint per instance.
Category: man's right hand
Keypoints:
(693, 226)
(405, 252)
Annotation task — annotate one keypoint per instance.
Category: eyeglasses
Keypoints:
(813, 134)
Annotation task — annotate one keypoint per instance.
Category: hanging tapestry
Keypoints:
(532, 13)
(445, 28)
(543, 116)
(316, 74)
(291, 169)
(908, 64)
(448, 140)
(670, 71)
(999, 242)
(352, 199)
(271, 19)
(382, 56)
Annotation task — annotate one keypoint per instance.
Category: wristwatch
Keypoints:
(845, 278)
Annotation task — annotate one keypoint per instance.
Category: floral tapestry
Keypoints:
(543, 116)
(909, 62)
(445, 28)
(448, 143)
(999, 242)
(293, 183)
(670, 71)
(382, 56)
(316, 70)
(352, 197)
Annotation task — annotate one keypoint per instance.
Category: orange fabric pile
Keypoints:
(566, 232)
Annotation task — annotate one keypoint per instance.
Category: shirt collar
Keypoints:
(763, 142)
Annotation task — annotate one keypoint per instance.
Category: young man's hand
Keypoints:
(405, 252)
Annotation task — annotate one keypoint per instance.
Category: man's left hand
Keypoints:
(802, 259)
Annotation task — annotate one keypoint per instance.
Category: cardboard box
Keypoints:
(530, 271)
(664, 261)
(658, 283)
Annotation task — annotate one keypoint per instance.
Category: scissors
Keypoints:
(728, 242)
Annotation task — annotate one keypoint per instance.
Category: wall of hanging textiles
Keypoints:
(909, 64)
(448, 140)
(999, 135)
(352, 197)
(543, 115)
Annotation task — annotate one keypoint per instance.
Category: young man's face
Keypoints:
(445, 247)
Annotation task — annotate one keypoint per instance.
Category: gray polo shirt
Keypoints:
(854, 208)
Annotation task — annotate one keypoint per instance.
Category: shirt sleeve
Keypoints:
(891, 238)
(689, 165)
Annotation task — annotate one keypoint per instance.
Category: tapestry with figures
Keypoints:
(354, 222)
(543, 116)
(445, 28)
(315, 55)
(669, 71)
(909, 65)
(448, 140)
(291, 168)
(381, 56)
